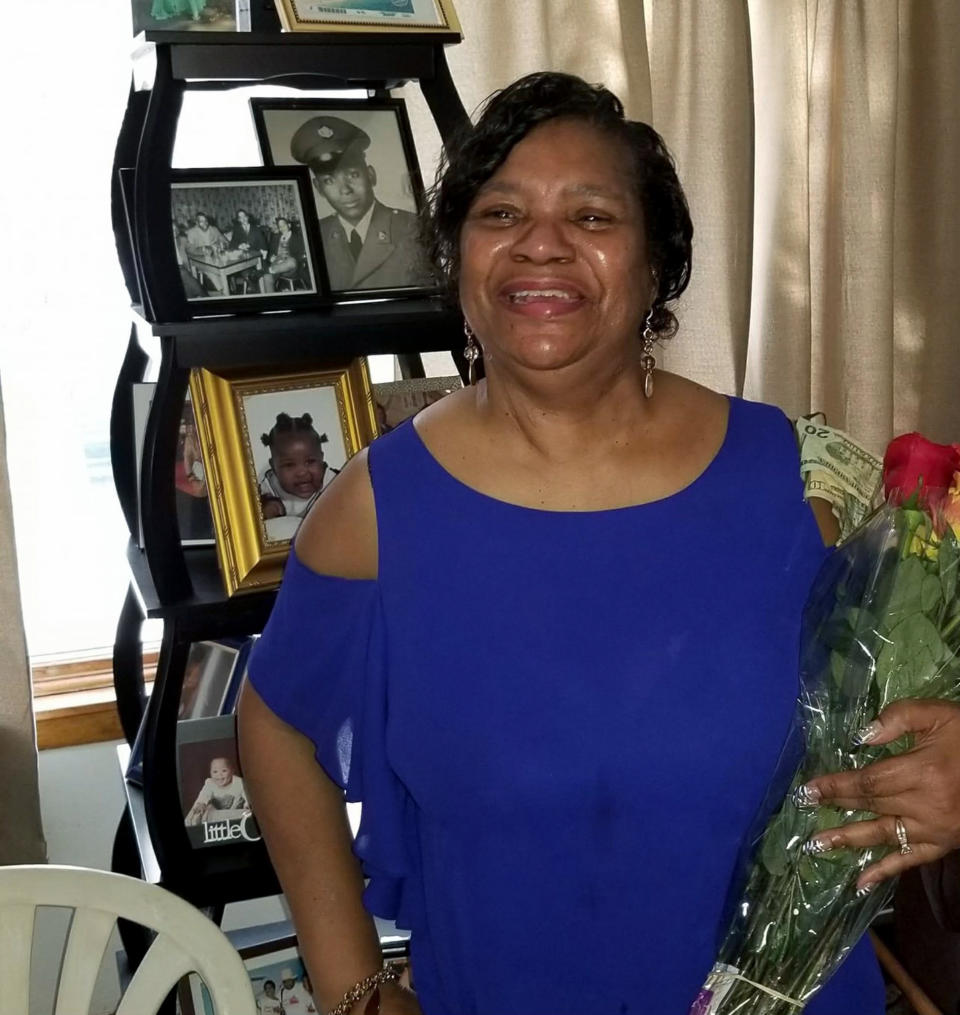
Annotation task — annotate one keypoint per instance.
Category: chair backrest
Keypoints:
(186, 941)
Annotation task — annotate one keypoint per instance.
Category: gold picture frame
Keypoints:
(432, 16)
(251, 456)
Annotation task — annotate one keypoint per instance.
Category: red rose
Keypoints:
(913, 464)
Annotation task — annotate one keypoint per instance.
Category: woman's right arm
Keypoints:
(302, 816)
(300, 810)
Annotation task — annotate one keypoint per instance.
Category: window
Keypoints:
(66, 309)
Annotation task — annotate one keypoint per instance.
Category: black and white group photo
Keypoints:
(238, 239)
(366, 185)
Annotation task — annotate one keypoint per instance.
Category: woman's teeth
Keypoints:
(526, 295)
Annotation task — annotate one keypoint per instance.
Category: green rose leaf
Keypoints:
(930, 593)
(812, 876)
(837, 634)
(828, 817)
(906, 593)
(773, 852)
(948, 559)
(910, 658)
(838, 664)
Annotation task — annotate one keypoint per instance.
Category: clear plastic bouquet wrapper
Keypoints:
(882, 624)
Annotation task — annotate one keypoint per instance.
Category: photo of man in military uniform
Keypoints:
(366, 243)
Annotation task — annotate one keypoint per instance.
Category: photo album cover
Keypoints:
(214, 802)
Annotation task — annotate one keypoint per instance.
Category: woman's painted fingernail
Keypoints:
(806, 796)
(864, 890)
(869, 733)
(813, 847)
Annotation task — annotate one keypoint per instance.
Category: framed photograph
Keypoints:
(185, 15)
(211, 683)
(193, 503)
(212, 795)
(244, 239)
(271, 443)
(396, 401)
(210, 667)
(367, 191)
(281, 984)
(370, 16)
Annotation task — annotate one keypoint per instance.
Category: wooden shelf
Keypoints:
(215, 863)
(229, 58)
(208, 608)
(332, 334)
(216, 875)
(183, 586)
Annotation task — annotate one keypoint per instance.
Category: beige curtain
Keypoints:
(21, 837)
(819, 145)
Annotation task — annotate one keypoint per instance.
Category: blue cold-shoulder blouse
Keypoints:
(561, 725)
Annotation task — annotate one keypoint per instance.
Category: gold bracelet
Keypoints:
(385, 975)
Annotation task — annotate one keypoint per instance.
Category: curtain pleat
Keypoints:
(21, 837)
(703, 107)
(852, 166)
(778, 351)
(926, 293)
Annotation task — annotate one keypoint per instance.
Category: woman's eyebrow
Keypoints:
(577, 189)
(594, 190)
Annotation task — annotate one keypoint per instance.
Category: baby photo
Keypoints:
(212, 794)
(297, 447)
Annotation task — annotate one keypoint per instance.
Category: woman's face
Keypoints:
(298, 462)
(553, 252)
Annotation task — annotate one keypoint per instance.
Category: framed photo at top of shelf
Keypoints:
(367, 190)
(437, 16)
(272, 442)
(244, 239)
(186, 15)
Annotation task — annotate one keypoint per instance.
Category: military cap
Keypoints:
(323, 141)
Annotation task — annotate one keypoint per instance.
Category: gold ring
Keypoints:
(905, 848)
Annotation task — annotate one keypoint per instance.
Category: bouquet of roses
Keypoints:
(882, 623)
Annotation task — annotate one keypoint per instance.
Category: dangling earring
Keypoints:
(647, 359)
(471, 353)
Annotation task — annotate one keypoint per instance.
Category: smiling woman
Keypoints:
(575, 226)
(571, 532)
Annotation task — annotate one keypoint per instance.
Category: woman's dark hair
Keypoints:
(295, 425)
(506, 118)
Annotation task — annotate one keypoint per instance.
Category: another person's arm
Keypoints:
(920, 786)
(309, 840)
(827, 523)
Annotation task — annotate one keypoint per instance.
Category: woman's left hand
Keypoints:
(920, 787)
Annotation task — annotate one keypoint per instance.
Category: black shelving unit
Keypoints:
(182, 587)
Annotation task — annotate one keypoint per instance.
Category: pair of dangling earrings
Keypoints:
(472, 352)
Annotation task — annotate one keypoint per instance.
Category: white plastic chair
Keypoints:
(186, 940)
